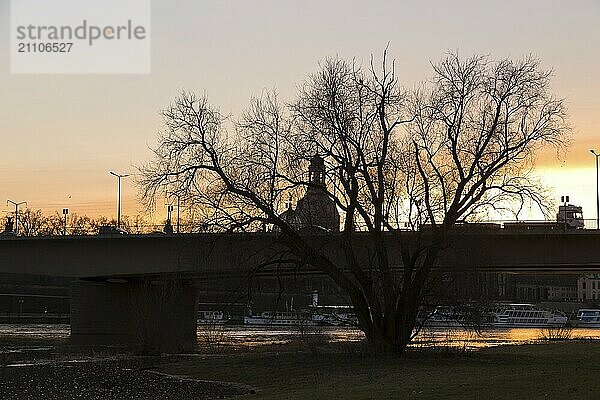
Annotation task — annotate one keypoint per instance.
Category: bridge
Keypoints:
(210, 255)
(141, 287)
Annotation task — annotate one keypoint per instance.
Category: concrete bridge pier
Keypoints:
(146, 314)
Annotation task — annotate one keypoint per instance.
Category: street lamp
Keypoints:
(178, 199)
(16, 212)
(565, 201)
(65, 213)
(597, 198)
(119, 176)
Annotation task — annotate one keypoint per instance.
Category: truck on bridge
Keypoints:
(569, 216)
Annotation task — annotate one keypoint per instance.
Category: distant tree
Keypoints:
(80, 225)
(55, 224)
(32, 223)
(457, 148)
(139, 225)
(36, 223)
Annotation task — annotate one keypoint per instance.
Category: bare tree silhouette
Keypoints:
(36, 223)
(396, 161)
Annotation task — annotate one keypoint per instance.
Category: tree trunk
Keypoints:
(392, 332)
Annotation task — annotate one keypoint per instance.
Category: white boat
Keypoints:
(440, 317)
(526, 316)
(450, 317)
(500, 316)
(586, 318)
(341, 315)
(334, 315)
(280, 318)
(212, 317)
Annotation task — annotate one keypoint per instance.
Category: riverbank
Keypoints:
(34, 367)
(534, 371)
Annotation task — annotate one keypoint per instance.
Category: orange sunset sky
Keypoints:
(61, 134)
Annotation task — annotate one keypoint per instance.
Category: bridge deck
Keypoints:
(206, 255)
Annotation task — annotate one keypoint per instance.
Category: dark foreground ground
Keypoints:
(565, 370)
(104, 380)
(562, 370)
(53, 369)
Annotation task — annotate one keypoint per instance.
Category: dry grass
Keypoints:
(556, 333)
(212, 337)
(540, 371)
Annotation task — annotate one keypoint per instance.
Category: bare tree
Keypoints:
(80, 225)
(455, 149)
(32, 222)
(35, 223)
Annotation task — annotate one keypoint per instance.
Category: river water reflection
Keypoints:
(496, 337)
(244, 336)
(261, 336)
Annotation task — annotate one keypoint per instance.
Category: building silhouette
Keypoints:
(315, 210)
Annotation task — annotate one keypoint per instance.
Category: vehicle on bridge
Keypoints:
(111, 230)
(569, 216)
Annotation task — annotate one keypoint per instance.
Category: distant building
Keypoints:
(588, 287)
(562, 293)
(316, 209)
(541, 287)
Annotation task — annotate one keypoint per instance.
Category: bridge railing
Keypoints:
(589, 224)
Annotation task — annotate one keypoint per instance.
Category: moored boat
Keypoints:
(526, 316)
(334, 315)
(280, 318)
(212, 317)
(499, 316)
(586, 318)
(451, 317)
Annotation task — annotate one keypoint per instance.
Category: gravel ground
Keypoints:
(104, 380)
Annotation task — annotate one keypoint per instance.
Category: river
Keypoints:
(38, 362)
(15, 336)
(260, 336)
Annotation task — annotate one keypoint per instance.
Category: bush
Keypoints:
(556, 333)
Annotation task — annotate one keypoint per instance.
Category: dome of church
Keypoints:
(291, 217)
(316, 209)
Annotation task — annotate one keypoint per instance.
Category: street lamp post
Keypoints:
(178, 213)
(119, 176)
(597, 196)
(65, 212)
(178, 200)
(565, 201)
(16, 212)
(169, 211)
